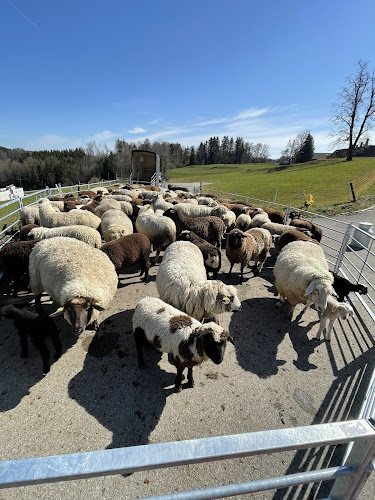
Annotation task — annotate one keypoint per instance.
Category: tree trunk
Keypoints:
(349, 154)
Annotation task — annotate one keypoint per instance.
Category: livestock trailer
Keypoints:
(145, 166)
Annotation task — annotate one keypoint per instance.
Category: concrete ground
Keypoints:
(95, 397)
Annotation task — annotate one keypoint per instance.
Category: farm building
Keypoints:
(145, 165)
(10, 193)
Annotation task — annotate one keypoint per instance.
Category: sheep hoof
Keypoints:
(190, 384)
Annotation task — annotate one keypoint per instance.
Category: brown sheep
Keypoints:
(128, 250)
(24, 231)
(14, 260)
(292, 235)
(305, 224)
(210, 228)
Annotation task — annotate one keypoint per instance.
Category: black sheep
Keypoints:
(343, 287)
(37, 327)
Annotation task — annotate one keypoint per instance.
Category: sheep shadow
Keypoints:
(20, 374)
(126, 400)
(259, 328)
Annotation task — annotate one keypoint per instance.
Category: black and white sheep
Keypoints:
(37, 327)
(182, 282)
(209, 228)
(185, 339)
(80, 278)
(343, 287)
(211, 254)
(128, 250)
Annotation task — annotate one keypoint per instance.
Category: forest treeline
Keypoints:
(37, 169)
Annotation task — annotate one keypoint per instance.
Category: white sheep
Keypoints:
(159, 203)
(161, 231)
(301, 274)
(80, 278)
(87, 234)
(199, 210)
(333, 311)
(50, 218)
(243, 222)
(182, 282)
(115, 224)
(259, 218)
(276, 228)
(185, 339)
(106, 204)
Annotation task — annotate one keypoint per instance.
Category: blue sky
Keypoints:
(180, 71)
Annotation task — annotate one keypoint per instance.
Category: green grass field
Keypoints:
(326, 180)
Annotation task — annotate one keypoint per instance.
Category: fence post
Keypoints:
(343, 248)
(219, 194)
(353, 193)
(359, 458)
(287, 212)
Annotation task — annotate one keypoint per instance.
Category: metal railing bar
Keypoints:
(10, 214)
(137, 458)
(260, 485)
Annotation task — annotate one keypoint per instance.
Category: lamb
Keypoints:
(305, 224)
(87, 234)
(50, 218)
(291, 235)
(37, 327)
(128, 250)
(161, 231)
(80, 278)
(14, 260)
(209, 228)
(333, 310)
(343, 287)
(301, 274)
(115, 224)
(243, 222)
(185, 339)
(242, 247)
(211, 254)
(181, 281)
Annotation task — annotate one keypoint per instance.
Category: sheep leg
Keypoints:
(281, 301)
(290, 313)
(190, 382)
(140, 339)
(44, 353)
(241, 275)
(23, 341)
(230, 270)
(56, 344)
(308, 304)
(178, 380)
(38, 304)
(329, 329)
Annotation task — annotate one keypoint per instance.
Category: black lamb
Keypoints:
(343, 287)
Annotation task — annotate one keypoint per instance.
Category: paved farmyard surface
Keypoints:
(95, 397)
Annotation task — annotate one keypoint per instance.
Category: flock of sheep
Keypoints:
(74, 248)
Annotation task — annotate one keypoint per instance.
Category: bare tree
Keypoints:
(354, 110)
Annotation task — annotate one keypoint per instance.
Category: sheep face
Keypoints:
(78, 312)
(344, 311)
(214, 340)
(318, 294)
(361, 289)
(235, 239)
(227, 300)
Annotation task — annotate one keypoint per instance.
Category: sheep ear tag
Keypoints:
(59, 311)
(310, 288)
(225, 300)
(97, 306)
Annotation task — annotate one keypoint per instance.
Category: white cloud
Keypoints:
(137, 130)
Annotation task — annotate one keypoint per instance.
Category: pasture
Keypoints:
(326, 180)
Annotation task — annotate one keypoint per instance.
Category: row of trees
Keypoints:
(299, 150)
(36, 169)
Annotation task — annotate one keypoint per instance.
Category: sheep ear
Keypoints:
(310, 288)
(59, 311)
(231, 340)
(97, 306)
(334, 308)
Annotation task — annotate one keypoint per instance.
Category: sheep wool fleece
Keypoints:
(65, 268)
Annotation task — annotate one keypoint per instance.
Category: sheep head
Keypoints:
(214, 341)
(79, 312)
(318, 294)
